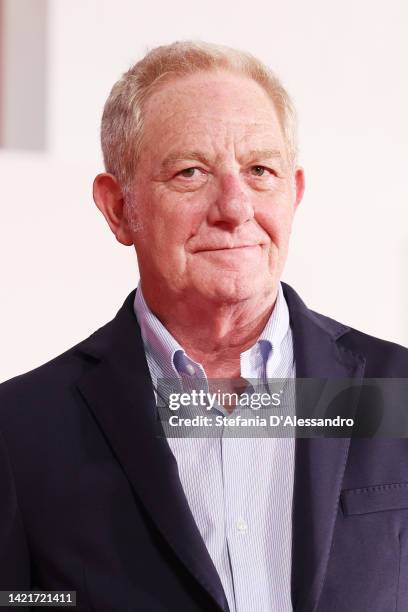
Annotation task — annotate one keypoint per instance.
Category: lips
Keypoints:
(227, 248)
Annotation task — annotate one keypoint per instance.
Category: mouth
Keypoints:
(229, 248)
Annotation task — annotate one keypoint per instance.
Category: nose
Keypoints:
(231, 206)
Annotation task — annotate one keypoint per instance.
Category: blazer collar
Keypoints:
(118, 390)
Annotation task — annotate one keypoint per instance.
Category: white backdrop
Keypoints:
(63, 275)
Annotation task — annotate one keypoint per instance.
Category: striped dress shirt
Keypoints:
(239, 489)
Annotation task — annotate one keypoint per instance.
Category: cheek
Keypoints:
(170, 224)
(277, 223)
(181, 215)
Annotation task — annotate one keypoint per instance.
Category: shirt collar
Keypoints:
(158, 342)
(254, 360)
(170, 358)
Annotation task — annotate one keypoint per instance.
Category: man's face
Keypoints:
(213, 196)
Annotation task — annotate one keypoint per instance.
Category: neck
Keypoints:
(212, 333)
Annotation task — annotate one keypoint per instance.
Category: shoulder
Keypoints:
(383, 358)
(46, 391)
(50, 390)
(37, 400)
(60, 370)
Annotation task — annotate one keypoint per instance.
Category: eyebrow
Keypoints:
(201, 157)
(184, 155)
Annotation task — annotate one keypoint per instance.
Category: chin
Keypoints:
(232, 290)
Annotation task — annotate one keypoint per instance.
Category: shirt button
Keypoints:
(241, 525)
(190, 369)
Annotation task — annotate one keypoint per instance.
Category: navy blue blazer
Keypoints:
(91, 500)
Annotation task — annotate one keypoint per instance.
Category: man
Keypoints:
(201, 177)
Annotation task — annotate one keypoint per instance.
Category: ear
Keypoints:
(108, 196)
(299, 185)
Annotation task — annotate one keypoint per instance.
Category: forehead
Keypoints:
(217, 108)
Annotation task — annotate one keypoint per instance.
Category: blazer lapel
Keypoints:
(117, 388)
(319, 462)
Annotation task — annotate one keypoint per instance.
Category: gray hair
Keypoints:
(122, 120)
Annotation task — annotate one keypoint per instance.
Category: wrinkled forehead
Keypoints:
(218, 108)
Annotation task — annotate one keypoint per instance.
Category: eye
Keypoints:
(188, 172)
(259, 170)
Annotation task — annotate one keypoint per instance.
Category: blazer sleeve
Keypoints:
(14, 555)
